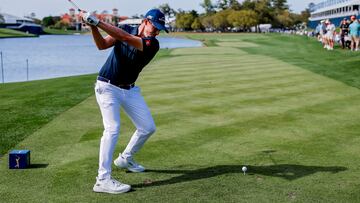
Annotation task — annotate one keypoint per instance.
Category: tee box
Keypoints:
(19, 159)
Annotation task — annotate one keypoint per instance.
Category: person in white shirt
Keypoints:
(330, 34)
(322, 38)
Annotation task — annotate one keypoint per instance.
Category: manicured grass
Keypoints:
(13, 33)
(216, 108)
(27, 106)
(342, 65)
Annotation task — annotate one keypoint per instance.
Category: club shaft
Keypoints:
(73, 3)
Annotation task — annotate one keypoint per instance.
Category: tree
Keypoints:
(244, 18)
(280, 5)
(196, 25)
(168, 11)
(248, 5)
(305, 15)
(301, 18)
(264, 10)
(62, 25)
(311, 6)
(282, 16)
(184, 20)
(207, 21)
(220, 19)
(48, 21)
(234, 5)
(223, 4)
(228, 4)
(285, 19)
(208, 7)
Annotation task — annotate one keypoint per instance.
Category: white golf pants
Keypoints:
(110, 98)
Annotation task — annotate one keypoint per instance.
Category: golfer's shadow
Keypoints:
(285, 171)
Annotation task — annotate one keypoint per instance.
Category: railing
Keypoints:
(328, 3)
(335, 15)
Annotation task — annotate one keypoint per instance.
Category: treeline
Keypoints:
(225, 15)
(219, 15)
(54, 22)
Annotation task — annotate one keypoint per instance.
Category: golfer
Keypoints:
(134, 48)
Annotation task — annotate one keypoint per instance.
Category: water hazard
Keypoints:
(51, 56)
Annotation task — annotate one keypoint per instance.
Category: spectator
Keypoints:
(323, 33)
(317, 32)
(337, 38)
(330, 34)
(354, 28)
(344, 31)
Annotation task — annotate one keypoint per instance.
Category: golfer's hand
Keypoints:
(89, 19)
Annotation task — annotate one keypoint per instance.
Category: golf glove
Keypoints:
(90, 19)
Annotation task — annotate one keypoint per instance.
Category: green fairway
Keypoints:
(280, 105)
(13, 33)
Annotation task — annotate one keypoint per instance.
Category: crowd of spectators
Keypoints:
(348, 36)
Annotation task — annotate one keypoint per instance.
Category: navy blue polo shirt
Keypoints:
(125, 62)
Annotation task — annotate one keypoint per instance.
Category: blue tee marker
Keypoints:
(19, 159)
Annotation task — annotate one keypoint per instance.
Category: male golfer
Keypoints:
(134, 48)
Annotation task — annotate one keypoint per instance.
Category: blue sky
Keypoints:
(126, 7)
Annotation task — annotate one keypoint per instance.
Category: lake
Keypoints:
(51, 56)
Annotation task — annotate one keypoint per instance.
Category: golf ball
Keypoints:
(244, 169)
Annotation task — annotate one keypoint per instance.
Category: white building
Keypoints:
(10, 19)
(19, 23)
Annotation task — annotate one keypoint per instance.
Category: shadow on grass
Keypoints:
(285, 171)
(36, 166)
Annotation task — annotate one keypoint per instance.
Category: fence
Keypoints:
(2, 57)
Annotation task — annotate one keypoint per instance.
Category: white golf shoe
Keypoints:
(111, 186)
(129, 164)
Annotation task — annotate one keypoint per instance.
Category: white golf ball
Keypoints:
(244, 169)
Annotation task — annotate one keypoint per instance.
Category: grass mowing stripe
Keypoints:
(219, 60)
(250, 68)
(257, 91)
(339, 65)
(231, 112)
(215, 68)
(246, 87)
(219, 80)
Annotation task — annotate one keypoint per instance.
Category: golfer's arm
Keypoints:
(101, 42)
(121, 35)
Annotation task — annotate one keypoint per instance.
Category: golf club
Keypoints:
(73, 3)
